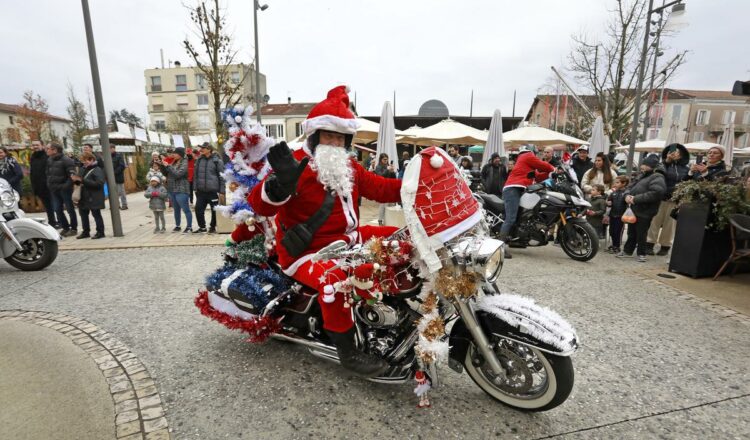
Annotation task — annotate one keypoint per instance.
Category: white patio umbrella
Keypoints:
(448, 131)
(672, 133)
(387, 135)
(598, 142)
(494, 138)
(700, 147)
(650, 146)
(727, 140)
(367, 131)
(539, 136)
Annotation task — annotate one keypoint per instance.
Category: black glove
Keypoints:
(531, 174)
(283, 183)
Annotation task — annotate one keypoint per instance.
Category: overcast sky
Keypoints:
(422, 49)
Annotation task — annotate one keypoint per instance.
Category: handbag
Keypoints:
(77, 189)
(629, 216)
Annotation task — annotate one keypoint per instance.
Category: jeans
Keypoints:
(98, 220)
(512, 198)
(202, 199)
(123, 195)
(615, 231)
(180, 202)
(637, 233)
(64, 199)
(47, 202)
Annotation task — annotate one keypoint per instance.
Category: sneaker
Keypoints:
(163, 230)
(124, 208)
(610, 250)
(201, 230)
(157, 230)
(83, 235)
(663, 251)
(176, 229)
(211, 230)
(70, 233)
(187, 231)
(623, 254)
(641, 258)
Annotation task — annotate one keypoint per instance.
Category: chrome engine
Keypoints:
(377, 315)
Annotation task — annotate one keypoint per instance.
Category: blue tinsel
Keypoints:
(239, 205)
(247, 181)
(251, 283)
(231, 112)
(213, 281)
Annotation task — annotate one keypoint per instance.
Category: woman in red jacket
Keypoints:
(528, 168)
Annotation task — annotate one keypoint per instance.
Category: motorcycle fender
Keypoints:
(26, 228)
(574, 220)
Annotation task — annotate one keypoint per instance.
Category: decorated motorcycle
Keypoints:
(440, 272)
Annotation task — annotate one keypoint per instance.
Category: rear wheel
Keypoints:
(38, 253)
(532, 380)
(580, 242)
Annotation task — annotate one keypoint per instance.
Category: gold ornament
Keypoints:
(233, 186)
(452, 284)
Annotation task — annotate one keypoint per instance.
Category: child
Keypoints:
(155, 171)
(617, 207)
(595, 215)
(157, 195)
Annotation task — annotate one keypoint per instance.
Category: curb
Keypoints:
(139, 413)
(135, 246)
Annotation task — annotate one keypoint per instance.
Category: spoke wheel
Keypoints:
(37, 254)
(582, 244)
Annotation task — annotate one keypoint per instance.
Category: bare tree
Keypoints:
(78, 117)
(33, 116)
(608, 68)
(181, 123)
(214, 55)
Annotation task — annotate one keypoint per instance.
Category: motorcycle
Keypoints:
(26, 244)
(554, 204)
(515, 350)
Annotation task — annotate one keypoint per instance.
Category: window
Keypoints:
(158, 108)
(746, 118)
(298, 129)
(204, 121)
(202, 100)
(160, 124)
(653, 133)
(275, 131)
(181, 81)
(728, 116)
(182, 102)
(12, 121)
(156, 84)
(235, 77)
(742, 141)
(200, 81)
(676, 112)
(697, 137)
(702, 117)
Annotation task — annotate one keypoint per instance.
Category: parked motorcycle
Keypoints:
(515, 350)
(26, 244)
(555, 204)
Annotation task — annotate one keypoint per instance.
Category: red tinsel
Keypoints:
(259, 329)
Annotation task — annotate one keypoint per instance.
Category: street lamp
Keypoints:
(256, 7)
(678, 10)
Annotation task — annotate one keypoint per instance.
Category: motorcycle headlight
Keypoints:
(9, 198)
(484, 256)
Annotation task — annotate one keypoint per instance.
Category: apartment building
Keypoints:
(12, 134)
(284, 121)
(184, 90)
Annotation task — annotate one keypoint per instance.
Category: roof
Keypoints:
(293, 109)
(712, 94)
(15, 109)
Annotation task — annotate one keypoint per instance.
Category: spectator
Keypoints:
(91, 178)
(157, 195)
(403, 169)
(617, 206)
(209, 186)
(10, 170)
(384, 169)
(404, 160)
(88, 148)
(644, 196)
(600, 174)
(466, 163)
(178, 188)
(713, 169)
(38, 176)
(494, 174)
(453, 153)
(155, 158)
(549, 156)
(674, 159)
(581, 162)
(60, 169)
(155, 171)
(72, 154)
(190, 156)
(119, 166)
(595, 215)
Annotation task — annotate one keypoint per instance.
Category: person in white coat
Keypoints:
(601, 174)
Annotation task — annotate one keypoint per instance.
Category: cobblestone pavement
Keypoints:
(655, 362)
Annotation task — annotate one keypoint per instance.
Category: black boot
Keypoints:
(664, 250)
(363, 364)
(649, 248)
(504, 238)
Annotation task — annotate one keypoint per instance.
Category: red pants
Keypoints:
(336, 317)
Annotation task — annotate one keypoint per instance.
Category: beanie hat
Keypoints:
(180, 151)
(651, 161)
(332, 114)
(155, 178)
(720, 148)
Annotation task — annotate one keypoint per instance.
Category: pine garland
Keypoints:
(252, 251)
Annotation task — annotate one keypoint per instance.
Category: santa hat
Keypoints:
(332, 114)
(438, 204)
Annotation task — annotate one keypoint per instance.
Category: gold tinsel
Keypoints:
(376, 247)
(451, 284)
(427, 357)
(429, 303)
(434, 329)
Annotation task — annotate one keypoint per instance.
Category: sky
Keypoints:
(421, 49)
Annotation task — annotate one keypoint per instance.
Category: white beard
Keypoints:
(334, 168)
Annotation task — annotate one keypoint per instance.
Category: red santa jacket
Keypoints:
(526, 163)
(342, 224)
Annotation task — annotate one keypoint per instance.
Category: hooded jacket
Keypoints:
(648, 191)
(207, 174)
(59, 169)
(494, 177)
(581, 166)
(675, 172)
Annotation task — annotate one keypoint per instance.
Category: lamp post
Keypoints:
(641, 71)
(257, 6)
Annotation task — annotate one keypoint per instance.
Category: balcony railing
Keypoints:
(156, 88)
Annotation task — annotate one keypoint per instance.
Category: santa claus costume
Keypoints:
(297, 190)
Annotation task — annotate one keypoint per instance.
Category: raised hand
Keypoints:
(286, 169)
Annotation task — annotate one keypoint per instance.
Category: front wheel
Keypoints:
(38, 253)
(532, 381)
(580, 242)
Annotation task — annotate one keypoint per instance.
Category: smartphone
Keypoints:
(699, 160)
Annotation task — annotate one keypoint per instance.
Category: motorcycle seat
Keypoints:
(493, 202)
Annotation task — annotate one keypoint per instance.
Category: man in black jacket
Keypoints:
(581, 162)
(38, 176)
(60, 168)
(494, 174)
(674, 160)
(209, 186)
(119, 165)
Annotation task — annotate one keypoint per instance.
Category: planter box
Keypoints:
(697, 251)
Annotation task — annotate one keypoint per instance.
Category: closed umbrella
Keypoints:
(494, 138)
(672, 133)
(387, 135)
(727, 141)
(598, 143)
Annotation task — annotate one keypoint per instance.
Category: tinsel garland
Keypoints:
(451, 284)
(259, 286)
(430, 347)
(259, 328)
(213, 281)
(252, 251)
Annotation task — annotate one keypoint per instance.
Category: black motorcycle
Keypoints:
(556, 205)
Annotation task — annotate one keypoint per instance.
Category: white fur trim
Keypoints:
(330, 123)
(264, 197)
(459, 228)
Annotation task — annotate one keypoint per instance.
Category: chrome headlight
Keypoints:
(484, 256)
(9, 198)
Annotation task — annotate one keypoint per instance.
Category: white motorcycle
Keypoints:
(26, 244)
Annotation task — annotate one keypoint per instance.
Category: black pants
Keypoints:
(86, 226)
(191, 192)
(47, 202)
(615, 231)
(202, 199)
(637, 235)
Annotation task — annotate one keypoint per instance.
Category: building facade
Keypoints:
(284, 121)
(11, 132)
(182, 92)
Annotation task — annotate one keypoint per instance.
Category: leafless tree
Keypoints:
(34, 118)
(181, 123)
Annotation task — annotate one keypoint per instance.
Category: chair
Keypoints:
(739, 230)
